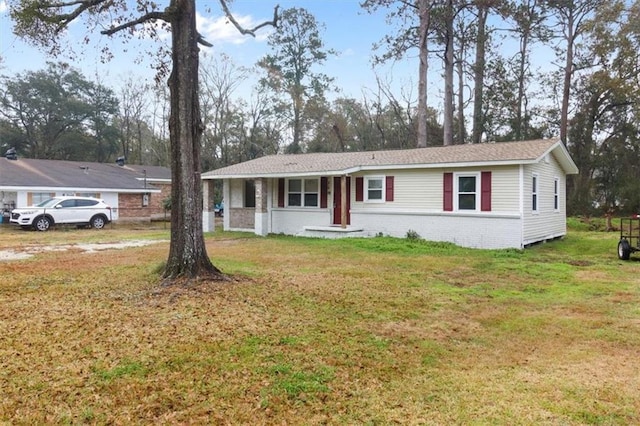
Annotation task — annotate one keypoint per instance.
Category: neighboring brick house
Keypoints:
(130, 204)
(134, 192)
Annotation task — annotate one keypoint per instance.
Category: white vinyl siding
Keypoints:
(548, 222)
(421, 190)
(505, 189)
(413, 190)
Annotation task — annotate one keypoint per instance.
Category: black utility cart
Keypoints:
(629, 237)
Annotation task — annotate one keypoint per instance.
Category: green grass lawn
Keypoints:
(310, 331)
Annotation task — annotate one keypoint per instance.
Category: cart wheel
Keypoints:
(624, 250)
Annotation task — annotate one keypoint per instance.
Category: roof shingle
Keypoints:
(350, 162)
(28, 172)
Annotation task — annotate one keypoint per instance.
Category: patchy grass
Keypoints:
(311, 331)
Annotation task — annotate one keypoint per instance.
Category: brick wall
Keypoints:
(242, 218)
(130, 206)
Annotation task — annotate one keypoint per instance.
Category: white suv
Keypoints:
(69, 210)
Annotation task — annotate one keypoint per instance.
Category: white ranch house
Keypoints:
(492, 195)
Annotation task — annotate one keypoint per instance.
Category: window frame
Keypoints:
(477, 193)
(303, 192)
(39, 197)
(556, 194)
(382, 189)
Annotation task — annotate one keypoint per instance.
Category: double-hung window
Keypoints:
(374, 188)
(303, 193)
(467, 196)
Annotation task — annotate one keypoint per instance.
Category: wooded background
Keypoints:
(588, 96)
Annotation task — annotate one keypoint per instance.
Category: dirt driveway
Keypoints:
(31, 250)
(16, 244)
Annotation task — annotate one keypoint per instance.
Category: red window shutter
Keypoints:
(359, 188)
(389, 188)
(485, 195)
(323, 192)
(281, 192)
(448, 192)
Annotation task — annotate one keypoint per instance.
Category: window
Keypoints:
(38, 197)
(87, 194)
(467, 192)
(374, 188)
(303, 192)
(534, 193)
(311, 192)
(249, 193)
(556, 194)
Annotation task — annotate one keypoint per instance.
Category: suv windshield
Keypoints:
(48, 203)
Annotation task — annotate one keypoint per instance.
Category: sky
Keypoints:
(348, 29)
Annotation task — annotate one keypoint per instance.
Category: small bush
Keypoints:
(413, 235)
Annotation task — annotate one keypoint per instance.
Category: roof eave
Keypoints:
(66, 188)
(564, 158)
(357, 169)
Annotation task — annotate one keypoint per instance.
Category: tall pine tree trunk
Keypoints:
(187, 254)
(425, 17)
(519, 126)
(448, 76)
(568, 72)
(478, 71)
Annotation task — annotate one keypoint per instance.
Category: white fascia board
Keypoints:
(154, 180)
(442, 165)
(564, 159)
(357, 169)
(68, 188)
(276, 175)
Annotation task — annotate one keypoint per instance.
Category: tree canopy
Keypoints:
(42, 21)
(499, 90)
(56, 113)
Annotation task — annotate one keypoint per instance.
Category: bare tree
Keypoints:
(133, 104)
(529, 18)
(220, 78)
(573, 17)
(42, 21)
(409, 36)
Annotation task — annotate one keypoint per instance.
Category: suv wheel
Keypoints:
(98, 222)
(42, 223)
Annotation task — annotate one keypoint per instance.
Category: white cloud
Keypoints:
(347, 52)
(221, 30)
(3, 6)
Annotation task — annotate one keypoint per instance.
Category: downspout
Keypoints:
(343, 201)
(521, 191)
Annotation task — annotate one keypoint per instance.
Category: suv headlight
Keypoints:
(28, 212)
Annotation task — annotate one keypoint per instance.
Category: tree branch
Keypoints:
(63, 20)
(252, 31)
(151, 16)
